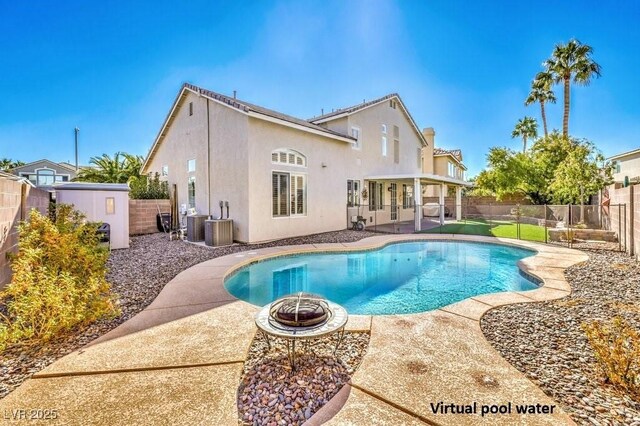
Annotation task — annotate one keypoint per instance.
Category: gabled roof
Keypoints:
(63, 164)
(245, 108)
(456, 154)
(625, 154)
(343, 112)
(249, 107)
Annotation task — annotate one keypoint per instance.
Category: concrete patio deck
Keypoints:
(179, 361)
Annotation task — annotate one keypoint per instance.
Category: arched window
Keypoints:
(289, 157)
(46, 177)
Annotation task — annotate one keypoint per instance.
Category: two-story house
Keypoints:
(626, 167)
(284, 176)
(45, 173)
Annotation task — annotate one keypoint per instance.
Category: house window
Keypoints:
(384, 129)
(407, 196)
(190, 108)
(396, 132)
(110, 205)
(617, 163)
(392, 103)
(355, 133)
(288, 157)
(384, 146)
(419, 157)
(191, 166)
(45, 177)
(451, 169)
(353, 193)
(165, 170)
(298, 195)
(396, 151)
(376, 196)
(191, 190)
(289, 194)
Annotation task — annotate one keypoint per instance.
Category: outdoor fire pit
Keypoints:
(301, 316)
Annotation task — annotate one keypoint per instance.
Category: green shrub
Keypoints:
(616, 346)
(148, 187)
(59, 279)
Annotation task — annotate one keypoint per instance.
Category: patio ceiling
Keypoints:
(425, 178)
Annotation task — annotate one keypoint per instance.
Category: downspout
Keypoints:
(208, 164)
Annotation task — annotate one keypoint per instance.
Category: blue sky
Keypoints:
(113, 68)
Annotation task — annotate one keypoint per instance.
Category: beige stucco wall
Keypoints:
(326, 185)
(241, 167)
(186, 139)
(629, 166)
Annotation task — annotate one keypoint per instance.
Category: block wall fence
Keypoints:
(142, 215)
(16, 201)
(630, 225)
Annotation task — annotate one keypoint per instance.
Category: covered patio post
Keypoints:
(441, 202)
(458, 203)
(417, 195)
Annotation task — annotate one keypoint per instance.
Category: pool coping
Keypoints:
(197, 295)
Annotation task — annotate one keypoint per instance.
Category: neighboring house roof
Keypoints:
(456, 154)
(343, 112)
(246, 108)
(625, 154)
(49, 162)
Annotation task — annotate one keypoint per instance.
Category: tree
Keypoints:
(119, 169)
(541, 92)
(8, 164)
(555, 170)
(509, 173)
(526, 127)
(571, 61)
(580, 174)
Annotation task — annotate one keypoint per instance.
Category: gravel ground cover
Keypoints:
(545, 340)
(137, 275)
(271, 393)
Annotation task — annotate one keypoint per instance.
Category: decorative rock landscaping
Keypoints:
(545, 340)
(137, 275)
(271, 393)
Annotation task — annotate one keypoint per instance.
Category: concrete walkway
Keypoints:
(179, 361)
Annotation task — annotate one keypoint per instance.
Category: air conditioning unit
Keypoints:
(195, 227)
(218, 232)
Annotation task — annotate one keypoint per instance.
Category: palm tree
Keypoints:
(8, 163)
(105, 169)
(541, 92)
(526, 127)
(571, 60)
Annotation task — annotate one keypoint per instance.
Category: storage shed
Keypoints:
(100, 202)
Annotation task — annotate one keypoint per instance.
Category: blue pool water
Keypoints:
(399, 278)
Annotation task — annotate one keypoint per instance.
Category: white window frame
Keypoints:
(189, 162)
(165, 170)
(383, 141)
(376, 189)
(353, 194)
(290, 189)
(384, 129)
(358, 144)
(189, 180)
(287, 152)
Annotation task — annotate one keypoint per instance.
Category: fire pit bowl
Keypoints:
(300, 310)
(301, 316)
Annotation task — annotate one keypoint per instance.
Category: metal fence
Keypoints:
(565, 224)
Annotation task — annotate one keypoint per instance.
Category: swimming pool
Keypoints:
(396, 279)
